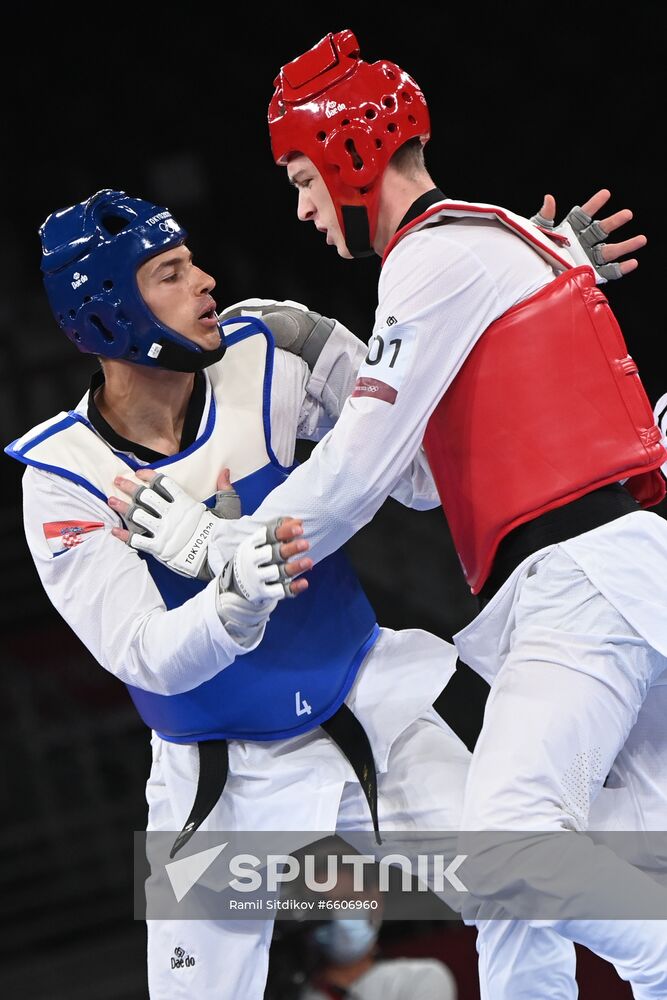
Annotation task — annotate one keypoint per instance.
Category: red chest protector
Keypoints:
(547, 407)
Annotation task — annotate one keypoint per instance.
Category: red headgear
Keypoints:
(349, 117)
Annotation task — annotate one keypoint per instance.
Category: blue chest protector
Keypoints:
(313, 647)
(301, 671)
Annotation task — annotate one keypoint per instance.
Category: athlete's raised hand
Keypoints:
(589, 234)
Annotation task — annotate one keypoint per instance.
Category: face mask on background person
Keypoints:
(346, 940)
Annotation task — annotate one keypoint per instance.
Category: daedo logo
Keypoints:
(180, 960)
(78, 280)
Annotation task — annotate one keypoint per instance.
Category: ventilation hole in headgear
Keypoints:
(412, 119)
(378, 143)
(388, 102)
(72, 314)
(133, 352)
(114, 224)
(321, 136)
(345, 121)
(77, 337)
(371, 113)
(107, 285)
(407, 96)
(87, 298)
(101, 328)
(357, 161)
(392, 126)
(389, 73)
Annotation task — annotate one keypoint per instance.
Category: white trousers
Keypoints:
(577, 696)
(421, 790)
(306, 784)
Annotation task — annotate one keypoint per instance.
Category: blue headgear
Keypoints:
(90, 256)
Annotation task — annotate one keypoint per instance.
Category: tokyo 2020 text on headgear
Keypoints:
(349, 117)
(90, 255)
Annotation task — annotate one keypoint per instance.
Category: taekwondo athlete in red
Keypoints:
(545, 497)
(566, 562)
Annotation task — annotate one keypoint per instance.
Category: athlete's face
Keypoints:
(178, 293)
(315, 204)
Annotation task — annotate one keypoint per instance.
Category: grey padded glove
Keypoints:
(295, 328)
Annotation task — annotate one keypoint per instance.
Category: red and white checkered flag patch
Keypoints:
(64, 535)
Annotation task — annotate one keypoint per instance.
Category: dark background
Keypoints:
(521, 102)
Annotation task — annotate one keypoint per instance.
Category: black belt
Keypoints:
(574, 518)
(461, 704)
(213, 771)
(343, 728)
(350, 737)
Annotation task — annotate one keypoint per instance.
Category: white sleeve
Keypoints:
(289, 382)
(444, 302)
(315, 398)
(331, 382)
(333, 377)
(105, 593)
(318, 399)
(416, 487)
(660, 413)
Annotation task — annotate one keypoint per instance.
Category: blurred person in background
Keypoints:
(347, 957)
(351, 967)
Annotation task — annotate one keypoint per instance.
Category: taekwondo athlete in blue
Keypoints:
(117, 602)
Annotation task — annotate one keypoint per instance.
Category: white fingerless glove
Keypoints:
(168, 523)
(257, 570)
(250, 586)
(295, 327)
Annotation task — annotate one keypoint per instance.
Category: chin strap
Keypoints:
(176, 358)
(357, 232)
